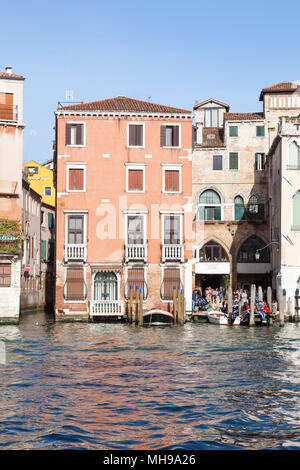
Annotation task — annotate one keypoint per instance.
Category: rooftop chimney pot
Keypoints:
(8, 69)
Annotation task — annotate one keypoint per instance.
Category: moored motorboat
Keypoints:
(219, 318)
(157, 317)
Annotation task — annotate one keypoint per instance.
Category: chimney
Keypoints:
(8, 69)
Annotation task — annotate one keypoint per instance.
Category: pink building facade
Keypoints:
(124, 206)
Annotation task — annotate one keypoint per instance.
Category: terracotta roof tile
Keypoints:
(11, 76)
(121, 103)
(278, 87)
(212, 100)
(243, 116)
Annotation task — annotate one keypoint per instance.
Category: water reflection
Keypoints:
(117, 386)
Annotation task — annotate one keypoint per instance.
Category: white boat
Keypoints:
(156, 316)
(219, 318)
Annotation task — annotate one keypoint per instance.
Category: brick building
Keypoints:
(123, 181)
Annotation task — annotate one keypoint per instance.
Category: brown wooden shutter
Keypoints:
(175, 134)
(5, 274)
(162, 136)
(172, 180)
(131, 129)
(76, 179)
(135, 180)
(171, 279)
(75, 284)
(79, 134)
(135, 278)
(139, 135)
(68, 134)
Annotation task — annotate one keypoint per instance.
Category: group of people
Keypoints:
(216, 298)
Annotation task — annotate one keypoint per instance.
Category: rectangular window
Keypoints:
(172, 181)
(233, 161)
(171, 279)
(50, 220)
(5, 274)
(48, 191)
(217, 162)
(51, 251)
(74, 134)
(211, 118)
(172, 230)
(135, 230)
(210, 213)
(43, 250)
(260, 131)
(76, 176)
(136, 278)
(135, 135)
(233, 131)
(75, 285)
(135, 179)
(75, 229)
(260, 161)
(6, 106)
(169, 136)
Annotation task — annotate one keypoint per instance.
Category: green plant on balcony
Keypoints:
(10, 229)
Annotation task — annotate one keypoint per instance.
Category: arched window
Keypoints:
(209, 205)
(212, 252)
(294, 157)
(105, 286)
(253, 204)
(239, 208)
(248, 249)
(296, 211)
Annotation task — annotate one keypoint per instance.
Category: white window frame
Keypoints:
(84, 134)
(170, 266)
(127, 138)
(179, 135)
(47, 195)
(177, 167)
(69, 213)
(76, 166)
(167, 214)
(118, 283)
(136, 166)
(136, 214)
(261, 160)
(230, 169)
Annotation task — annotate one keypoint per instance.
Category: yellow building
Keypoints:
(41, 181)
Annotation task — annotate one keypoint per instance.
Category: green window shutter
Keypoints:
(217, 213)
(239, 210)
(233, 161)
(201, 213)
(260, 131)
(233, 131)
(50, 220)
(43, 250)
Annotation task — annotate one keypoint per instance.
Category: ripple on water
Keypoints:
(113, 386)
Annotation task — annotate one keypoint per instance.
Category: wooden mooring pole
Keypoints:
(174, 304)
(269, 302)
(140, 317)
(137, 291)
(252, 305)
(130, 313)
(229, 299)
(181, 303)
(281, 307)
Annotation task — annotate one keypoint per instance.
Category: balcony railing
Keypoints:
(106, 307)
(135, 252)
(8, 112)
(172, 253)
(75, 252)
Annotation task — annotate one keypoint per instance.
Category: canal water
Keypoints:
(116, 386)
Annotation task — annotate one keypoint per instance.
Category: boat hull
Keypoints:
(157, 317)
(218, 318)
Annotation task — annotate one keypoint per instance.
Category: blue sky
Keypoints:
(174, 51)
